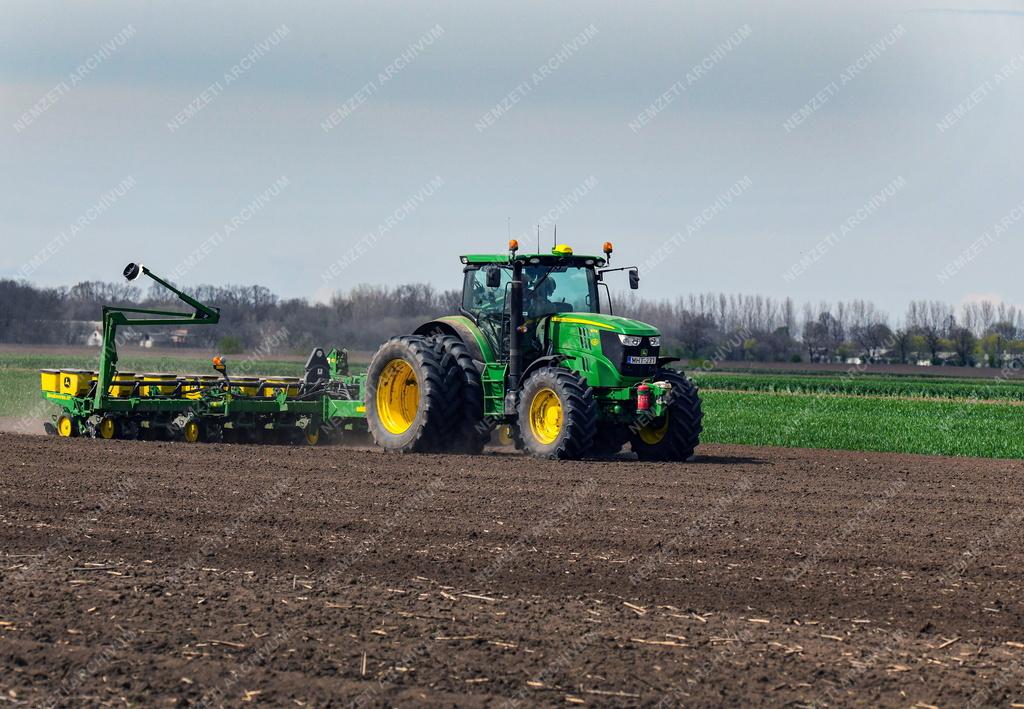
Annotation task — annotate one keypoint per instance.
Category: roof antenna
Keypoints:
(554, 239)
(508, 221)
(538, 238)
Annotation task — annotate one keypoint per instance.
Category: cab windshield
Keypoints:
(560, 289)
(547, 290)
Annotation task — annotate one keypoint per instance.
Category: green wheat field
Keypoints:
(981, 417)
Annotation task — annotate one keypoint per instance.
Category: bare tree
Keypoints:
(965, 344)
(931, 320)
(902, 340)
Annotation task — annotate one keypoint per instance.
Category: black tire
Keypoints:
(679, 434)
(578, 415)
(609, 440)
(470, 430)
(428, 416)
(333, 432)
(115, 430)
(214, 432)
(130, 429)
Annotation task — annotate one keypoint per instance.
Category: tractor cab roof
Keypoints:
(559, 255)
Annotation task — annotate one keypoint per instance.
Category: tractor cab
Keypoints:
(549, 284)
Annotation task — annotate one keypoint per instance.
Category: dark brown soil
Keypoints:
(159, 574)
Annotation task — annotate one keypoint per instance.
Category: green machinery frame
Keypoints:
(115, 316)
(222, 404)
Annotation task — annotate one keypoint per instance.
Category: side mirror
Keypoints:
(493, 277)
(634, 278)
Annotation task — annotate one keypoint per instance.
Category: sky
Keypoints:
(820, 150)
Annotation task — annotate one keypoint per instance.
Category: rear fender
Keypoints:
(464, 329)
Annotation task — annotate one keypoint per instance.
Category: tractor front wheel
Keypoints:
(675, 435)
(557, 416)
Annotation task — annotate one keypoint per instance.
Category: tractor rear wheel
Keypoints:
(471, 431)
(557, 416)
(410, 400)
(675, 435)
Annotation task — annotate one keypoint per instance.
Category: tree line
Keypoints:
(764, 329)
(250, 315)
(705, 326)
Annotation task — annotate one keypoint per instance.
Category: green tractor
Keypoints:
(531, 352)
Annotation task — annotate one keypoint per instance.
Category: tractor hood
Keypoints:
(608, 323)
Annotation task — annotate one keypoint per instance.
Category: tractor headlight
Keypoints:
(654, 341)
(630, 340)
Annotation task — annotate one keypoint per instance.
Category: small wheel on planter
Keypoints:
(214, 432)
(332, 432)
(129, 429)
(67, 427)
(312, 435)
(675, 435)
(108, 428)
(557, 415)
(192, 432)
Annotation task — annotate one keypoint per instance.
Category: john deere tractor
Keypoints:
(532, 352)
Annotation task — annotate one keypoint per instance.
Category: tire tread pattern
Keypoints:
(579, 412)
(685, 422)
(432, 430)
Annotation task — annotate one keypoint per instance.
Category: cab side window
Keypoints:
(480, 300)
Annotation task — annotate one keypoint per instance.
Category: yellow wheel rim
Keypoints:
(191, 432)
(546, 416)
(107, 428)
(398, 396)
(652, 434)
(65, 426)
(312, 435)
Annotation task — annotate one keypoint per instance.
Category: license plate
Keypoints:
(641, 360)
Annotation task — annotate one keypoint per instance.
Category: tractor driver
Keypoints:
(539, 305)
(539, 298)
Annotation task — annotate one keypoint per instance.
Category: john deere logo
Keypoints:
(643, 353)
